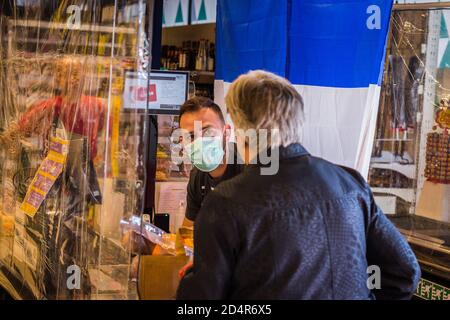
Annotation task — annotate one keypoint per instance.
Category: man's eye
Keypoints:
(209, 133)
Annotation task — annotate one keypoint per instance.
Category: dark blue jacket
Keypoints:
(308, 232)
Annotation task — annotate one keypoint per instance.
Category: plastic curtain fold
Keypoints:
(70, 153)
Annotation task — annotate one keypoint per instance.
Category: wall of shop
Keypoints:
(176, 35)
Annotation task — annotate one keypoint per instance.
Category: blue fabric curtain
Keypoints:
(333, 43)
(251, 34)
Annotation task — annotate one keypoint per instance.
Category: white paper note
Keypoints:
(172, 200)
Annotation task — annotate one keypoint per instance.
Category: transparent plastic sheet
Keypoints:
(411, 144)
(150, 232)
(71, 151)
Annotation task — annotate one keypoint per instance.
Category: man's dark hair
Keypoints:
(197, 103)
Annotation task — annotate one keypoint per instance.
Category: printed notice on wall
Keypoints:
(171, 199)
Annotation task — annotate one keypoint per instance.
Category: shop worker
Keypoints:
(311, 230)
(206, 143)
(213, 156)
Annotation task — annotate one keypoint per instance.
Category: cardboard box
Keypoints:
(158, 276)
(434, 201)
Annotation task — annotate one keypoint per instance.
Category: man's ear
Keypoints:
(227, 130)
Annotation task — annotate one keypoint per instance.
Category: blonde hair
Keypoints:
(262, 100)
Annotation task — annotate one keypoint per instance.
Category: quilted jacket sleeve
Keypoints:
(216, 243)
(389, 250)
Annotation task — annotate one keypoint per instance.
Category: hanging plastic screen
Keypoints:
(71, 152)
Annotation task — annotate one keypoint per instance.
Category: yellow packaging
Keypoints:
(49, 170)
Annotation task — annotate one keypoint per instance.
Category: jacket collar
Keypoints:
(292, 151)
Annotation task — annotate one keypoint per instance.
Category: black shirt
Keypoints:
(201, 183)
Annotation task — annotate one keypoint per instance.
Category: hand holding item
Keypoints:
(134, 268)
(137, 244)
(185, 269)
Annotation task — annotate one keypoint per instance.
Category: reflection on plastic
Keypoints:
(62, 75)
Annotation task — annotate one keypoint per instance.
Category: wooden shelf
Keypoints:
(408, 170)
(202, 77)
(404, 193)
(84, 27)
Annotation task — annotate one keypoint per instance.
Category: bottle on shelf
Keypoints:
(201, 61)
(188, 50)
(211, 57)
(182, 59)
(190, 56)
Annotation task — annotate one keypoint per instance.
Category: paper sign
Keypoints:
(431, 291)
(172, 200)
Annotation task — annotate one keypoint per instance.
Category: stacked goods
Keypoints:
(438, 158)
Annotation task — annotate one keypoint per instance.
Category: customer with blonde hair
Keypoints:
(308, 230)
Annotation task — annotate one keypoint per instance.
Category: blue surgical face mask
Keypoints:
(206, 153)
